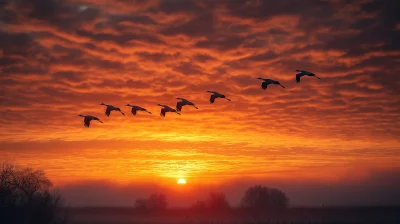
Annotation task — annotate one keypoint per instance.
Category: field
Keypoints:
(345, 215)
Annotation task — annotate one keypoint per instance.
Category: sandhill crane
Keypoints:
(109, 108)
(88, 118)
(266, 82)
(182, 103)
(167, 109)
(303, 73)
(137, 108)
(215, 95)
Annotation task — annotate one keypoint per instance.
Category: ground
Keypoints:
(372, 215)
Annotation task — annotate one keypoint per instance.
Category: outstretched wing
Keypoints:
(86, 122)
(264, 85)
(108, 111)
(298, 76)
(212, 98)
(303, 71)
(162, 113)
(179, 105)
(145, 110)
(97, 119)
(133, 111)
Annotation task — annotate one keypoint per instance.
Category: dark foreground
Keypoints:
(384, 215)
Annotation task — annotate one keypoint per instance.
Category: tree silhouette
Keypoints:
(157, 202)
(217, 201)
(260, 197)
(26, 196)
(154, 202)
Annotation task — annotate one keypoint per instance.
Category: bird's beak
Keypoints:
(283, 86)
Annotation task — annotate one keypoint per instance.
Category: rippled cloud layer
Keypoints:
(62, 58)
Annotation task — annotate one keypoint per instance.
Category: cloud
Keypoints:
(62, 58)
(202, 25)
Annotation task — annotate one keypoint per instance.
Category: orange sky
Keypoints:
(59, 59)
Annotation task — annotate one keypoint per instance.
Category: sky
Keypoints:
(61, 58)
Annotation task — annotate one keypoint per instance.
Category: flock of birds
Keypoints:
(185, 102)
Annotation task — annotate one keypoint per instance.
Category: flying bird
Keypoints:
(110, 108)
(266, 82)
(137, 108)
(88, 118)
(303, 73)
(182, 103)
(167, 109)
(215, 95)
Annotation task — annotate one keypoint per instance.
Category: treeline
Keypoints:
(28, 196)
(255, 198)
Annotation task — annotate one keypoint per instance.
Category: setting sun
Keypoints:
(181, 181)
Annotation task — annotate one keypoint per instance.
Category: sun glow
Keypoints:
(181, 181)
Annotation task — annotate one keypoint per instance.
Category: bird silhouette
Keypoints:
(266, 82)
(167, 109)
(88, 118)
(303, 73)
(215, 95)
(110, 108)
(137, 108)
(182, 103)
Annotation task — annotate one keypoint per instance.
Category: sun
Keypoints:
(181, 181)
